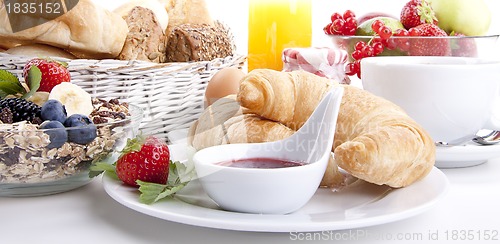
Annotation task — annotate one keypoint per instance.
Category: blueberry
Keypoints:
(57, 133)
(53, 110)
(81, 130)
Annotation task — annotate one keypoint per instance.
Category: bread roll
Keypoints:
(145, 40)
(186, 12)
(153, 5)
(190, 42)
(87, 31)
(39, 50)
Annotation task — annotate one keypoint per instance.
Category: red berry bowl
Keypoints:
(36, 161)
(359, 47)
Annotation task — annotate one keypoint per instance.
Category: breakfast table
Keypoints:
(467, 212)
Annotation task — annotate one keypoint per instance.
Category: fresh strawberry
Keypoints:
(53, 73)
(463, 46)
(146, 159)
(417, 12)
(428, 46)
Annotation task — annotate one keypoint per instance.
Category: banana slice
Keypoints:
(74, 98)
(39, 98)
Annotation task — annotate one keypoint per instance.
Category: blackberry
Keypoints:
(22, 110)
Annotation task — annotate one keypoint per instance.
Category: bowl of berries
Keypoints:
(424, 28)
(52, 131)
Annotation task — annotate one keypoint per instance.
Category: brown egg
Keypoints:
(225, 82)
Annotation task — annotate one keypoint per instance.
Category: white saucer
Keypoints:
(359, 204)
(467, 155)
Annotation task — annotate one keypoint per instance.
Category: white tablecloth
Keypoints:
(89, 215)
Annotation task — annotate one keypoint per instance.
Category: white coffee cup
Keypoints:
(451, 97)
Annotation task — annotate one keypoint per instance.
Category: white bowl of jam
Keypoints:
(241, 180)
(273, 177)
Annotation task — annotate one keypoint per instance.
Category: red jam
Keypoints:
(261, 163)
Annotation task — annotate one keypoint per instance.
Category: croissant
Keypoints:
(375, 140)
(226, 122)
(286, 97)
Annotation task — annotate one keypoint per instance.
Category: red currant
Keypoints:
(356, 55)
(351, 22)
(376, 25)
(328, 29)
(335, 16)
(349, 14)
(385, 32)
(350, 69)
(414, 32)
(357, 67)
(367, 51)
(391, 44)
(378, 48)
(401, 32)
(359, 45)
(338, 25)
(349, 31)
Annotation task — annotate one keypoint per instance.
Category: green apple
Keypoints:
(469, 17)
(365, 28)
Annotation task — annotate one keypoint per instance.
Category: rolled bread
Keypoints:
(87, 31)
(39, 50)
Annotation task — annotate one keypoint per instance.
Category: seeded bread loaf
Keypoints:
(145, 40)
(195, 42)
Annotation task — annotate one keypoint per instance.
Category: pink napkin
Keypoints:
(324, 62)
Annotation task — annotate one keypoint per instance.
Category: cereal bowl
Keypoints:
(30, 167)
(458, 46)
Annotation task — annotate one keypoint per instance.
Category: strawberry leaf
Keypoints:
(9, 84)
(34, 78)
(133, 144)
(153, 192)
(100, 167)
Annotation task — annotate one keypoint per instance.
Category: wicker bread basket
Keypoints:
(171, 94)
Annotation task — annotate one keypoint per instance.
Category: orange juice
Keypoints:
(274, 25)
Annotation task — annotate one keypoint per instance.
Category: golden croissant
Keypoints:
(375, 140)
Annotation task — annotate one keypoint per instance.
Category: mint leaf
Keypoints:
(152, 192)
(9, 84)
(178, 177)
(100, 167)
(34, 78)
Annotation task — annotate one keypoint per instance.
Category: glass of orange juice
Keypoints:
(274, 25)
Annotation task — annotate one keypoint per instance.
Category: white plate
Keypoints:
(357, 205)
(465, 156)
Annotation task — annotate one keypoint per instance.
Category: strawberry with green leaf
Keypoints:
(417, 12)
(53, 73)
(145, 162)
